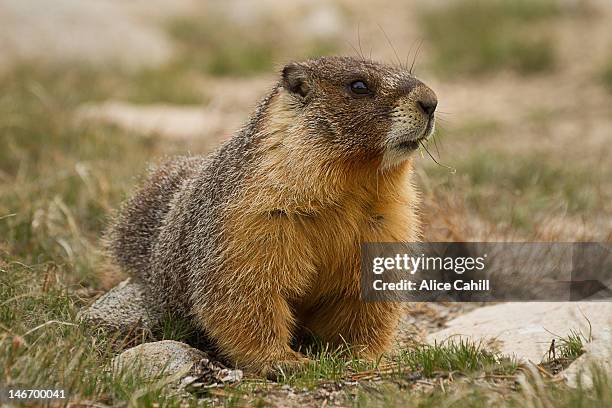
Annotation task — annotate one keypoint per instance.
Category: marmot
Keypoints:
(262, 237)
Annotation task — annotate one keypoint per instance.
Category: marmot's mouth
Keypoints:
(414, 143)
(410, 144)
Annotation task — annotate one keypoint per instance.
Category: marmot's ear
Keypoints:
(295, 79)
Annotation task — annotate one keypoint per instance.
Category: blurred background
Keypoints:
(91, 91)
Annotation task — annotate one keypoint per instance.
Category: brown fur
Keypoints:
(264, 238)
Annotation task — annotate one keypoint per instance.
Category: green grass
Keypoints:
(68, 175)
(174, 327)
(58, 181)
(606, 75)
(68, 86)
(528, 175)
(475, 36)
(532, 184)
(420, 360)
(171, 84)
(462, 356)
(43, 346)
(460, 367)
(215, 46)
(327, 365)
(571, 346)
(533, 392)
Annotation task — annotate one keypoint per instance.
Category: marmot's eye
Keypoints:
(360, 88)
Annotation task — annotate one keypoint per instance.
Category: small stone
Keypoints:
(125, 307)
(184, 368)
(161, 359)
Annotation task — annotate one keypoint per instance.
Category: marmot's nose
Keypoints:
(427, 102)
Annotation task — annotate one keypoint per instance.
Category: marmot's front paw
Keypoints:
(291, 363)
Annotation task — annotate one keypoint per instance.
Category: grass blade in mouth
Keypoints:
(451, 169)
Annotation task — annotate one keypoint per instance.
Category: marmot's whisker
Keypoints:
(452, 169)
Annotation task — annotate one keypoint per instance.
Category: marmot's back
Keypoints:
(133, 235)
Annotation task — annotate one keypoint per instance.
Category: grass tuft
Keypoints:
(463, 356)
(606, 75)
(571, 347)
(473, 36)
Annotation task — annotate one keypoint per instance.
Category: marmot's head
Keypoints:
(359, 109)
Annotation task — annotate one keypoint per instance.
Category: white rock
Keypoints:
(169, 121)
(98, 32)
(182, 122)
(525, 330)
